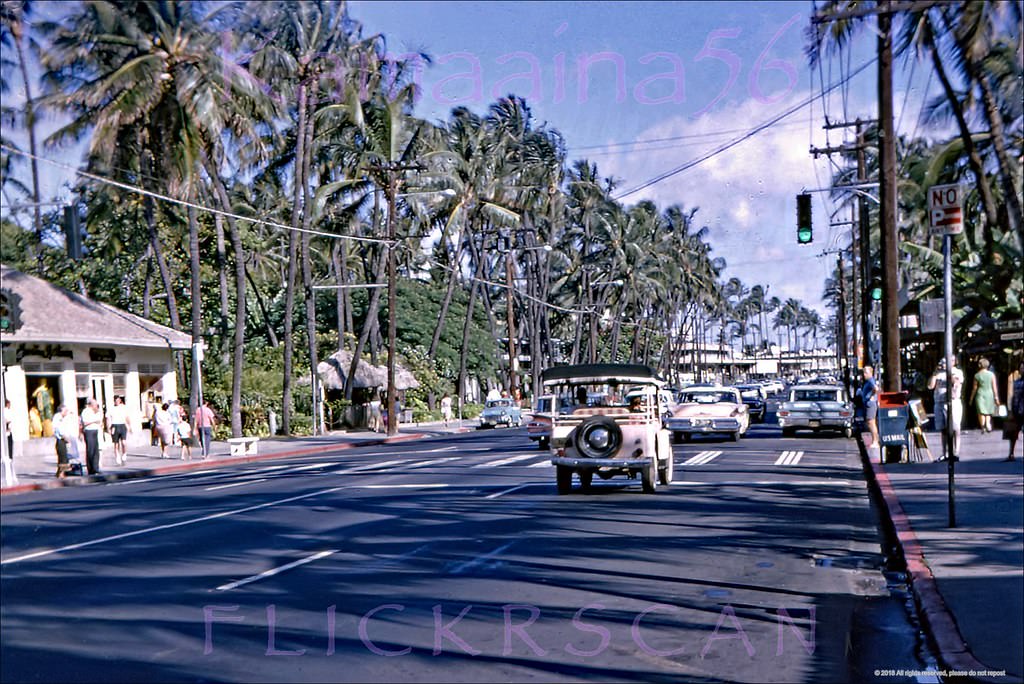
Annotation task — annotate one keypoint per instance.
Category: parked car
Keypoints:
(538, 427)
(756, 399)
(614, 438)
(501, 412)
(818, 408)
(709, 410)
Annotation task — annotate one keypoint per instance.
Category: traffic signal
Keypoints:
(875, 286)
(10, 311)
(72, 232)
(804, 230)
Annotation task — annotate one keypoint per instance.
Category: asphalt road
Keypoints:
(455, 560)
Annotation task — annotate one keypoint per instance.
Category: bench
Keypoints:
(243, 446)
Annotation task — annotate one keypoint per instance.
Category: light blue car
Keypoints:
(501, 412)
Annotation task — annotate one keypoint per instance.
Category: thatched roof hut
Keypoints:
(334, 369)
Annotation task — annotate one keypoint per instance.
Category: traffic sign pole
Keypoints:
(947, 300)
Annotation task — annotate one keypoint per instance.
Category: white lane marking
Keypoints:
(434, 485)
(541, 464)
(432, 461)
(372, 466)
(439, 449)
(504, 461)
(509, 491)
(234, 484)
(789, 458)
(703, 457)
(479, 560)
(762, 483)
(311, 466)
(168, 526)
(275, 571)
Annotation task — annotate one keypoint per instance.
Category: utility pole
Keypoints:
(844, 365)
(891, 379)
(510, 315)
(864, 236)
(393, 171)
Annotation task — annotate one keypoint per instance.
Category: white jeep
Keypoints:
(605, 432)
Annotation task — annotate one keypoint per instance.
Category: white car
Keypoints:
(613, 437)
(704, 410)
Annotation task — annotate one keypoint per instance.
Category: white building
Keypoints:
(69, 348)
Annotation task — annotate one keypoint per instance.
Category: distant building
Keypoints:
(69, 348)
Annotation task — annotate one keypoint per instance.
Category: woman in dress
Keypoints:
(984, 395)
(164, 428)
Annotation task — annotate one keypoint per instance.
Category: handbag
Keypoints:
(1001, 411)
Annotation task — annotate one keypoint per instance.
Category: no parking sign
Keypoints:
(945, 206)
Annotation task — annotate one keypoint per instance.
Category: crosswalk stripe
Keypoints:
(789, 458)
(431, 461)
(504, 461)
(702, 458)
(540, 464)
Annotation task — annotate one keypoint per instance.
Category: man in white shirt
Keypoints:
(120, 426)
(65, 430)
(92, 423)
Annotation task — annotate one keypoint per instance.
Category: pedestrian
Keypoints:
(174, 409)
(65, 432)
(446, 409)
(8, 465)
(205, 421)
(937, 383)
(185, 437)
(1014, 423)
(162, 421)
(869, 399)
(92, 424)
(984, 395)
(375, 412)
(120, 426)
(154, 406)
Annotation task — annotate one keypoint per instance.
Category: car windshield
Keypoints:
(816, 395)
(499, 403)
(708, 397)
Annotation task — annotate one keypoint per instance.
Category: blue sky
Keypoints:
(685, 76)
(695, 75)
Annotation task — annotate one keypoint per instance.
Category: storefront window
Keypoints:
(43, 400)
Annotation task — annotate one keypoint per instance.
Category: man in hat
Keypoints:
(937, 384)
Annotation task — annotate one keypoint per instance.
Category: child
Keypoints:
(185, 436)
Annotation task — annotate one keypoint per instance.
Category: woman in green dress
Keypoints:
(984, 395)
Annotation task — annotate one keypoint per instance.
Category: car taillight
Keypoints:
(782, 413)
(846, 414)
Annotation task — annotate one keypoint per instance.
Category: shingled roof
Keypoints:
(50, 314)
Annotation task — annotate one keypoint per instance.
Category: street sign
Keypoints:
(945, 207)
(1012, 336)
(1017, 324)
(933, 315)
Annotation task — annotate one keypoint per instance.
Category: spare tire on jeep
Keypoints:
(598, 437)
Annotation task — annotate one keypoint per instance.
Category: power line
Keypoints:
(733, 143)
(185, 203)
(673, 138)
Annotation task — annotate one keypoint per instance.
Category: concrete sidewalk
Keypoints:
(37, 471)
(967, 580)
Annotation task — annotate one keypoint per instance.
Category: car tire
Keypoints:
(542, 443)
(665, 474)
(589, 428)
(677, 437)
(687, 437)
(649, 477)
(563, 478)
(848, 432)
(788, 432)
(586, 479)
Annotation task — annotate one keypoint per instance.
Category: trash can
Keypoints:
(893, 419)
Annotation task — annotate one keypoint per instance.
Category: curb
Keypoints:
(56, 483)
(951, 649)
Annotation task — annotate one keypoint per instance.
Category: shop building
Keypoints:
(68, 348)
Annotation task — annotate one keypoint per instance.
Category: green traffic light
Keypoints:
(804, 235)
(876, 293)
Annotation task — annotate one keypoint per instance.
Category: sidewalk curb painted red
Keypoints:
(953, 651)
(56, 483)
